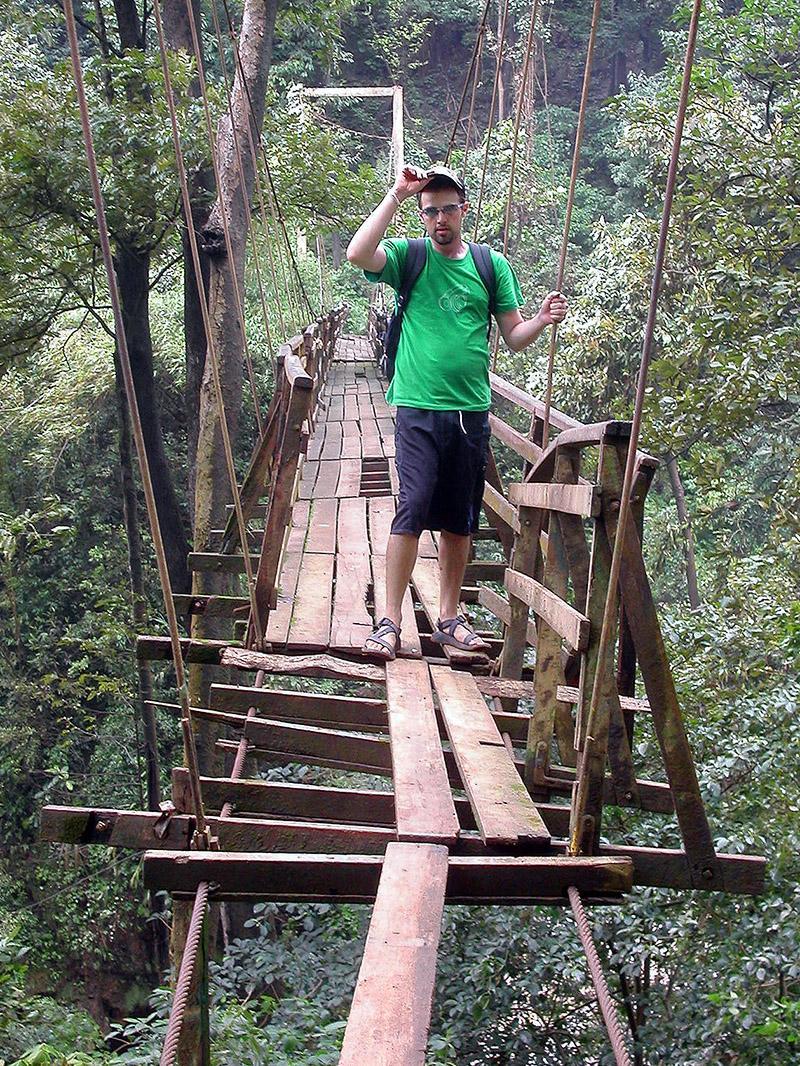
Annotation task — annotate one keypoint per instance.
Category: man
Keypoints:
(441, 390)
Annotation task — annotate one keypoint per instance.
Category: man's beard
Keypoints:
(444, 238)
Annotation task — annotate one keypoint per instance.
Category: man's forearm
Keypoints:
(362, 249)
(525, 333)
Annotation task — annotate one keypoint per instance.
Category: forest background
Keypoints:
(699, 978)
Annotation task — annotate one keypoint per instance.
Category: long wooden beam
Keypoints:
(140, 830)
(354, 879)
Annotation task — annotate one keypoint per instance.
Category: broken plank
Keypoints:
(391, 1011)
(504, 811)
(423, 800)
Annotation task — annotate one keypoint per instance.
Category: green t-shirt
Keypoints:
(443, 357)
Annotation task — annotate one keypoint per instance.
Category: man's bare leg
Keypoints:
(453, 557)
(401, 554)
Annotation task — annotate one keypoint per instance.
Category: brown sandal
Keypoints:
(382, 630)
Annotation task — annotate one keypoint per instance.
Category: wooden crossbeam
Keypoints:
(560, 616)
(504, 811)
(582, 500)
(391, 1011)
(358, 711)
(354, 878)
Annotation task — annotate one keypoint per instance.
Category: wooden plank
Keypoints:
(354, 711)
(351, 414)
(354, 878)
(314, 743)
(216, 563)
(157, 648)
(426, 581)
(351, 528)
(391, 1011)
(283, 799)
(351, 623)
(423, 800)
(582, 500)
(496, 504)
(305, 488)
(311, 618)
(327, 480)
(321, 537)
(296, 665)
(517, 396)
(504, 811)
(565, 620)
(332, 448)
(411, 645)
(349, 483)
(500, 608)
(516, 441)
(381, 512)
(427, 546)
(570, 694)
(281, 616)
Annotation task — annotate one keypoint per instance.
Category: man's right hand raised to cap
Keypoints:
(364, 249)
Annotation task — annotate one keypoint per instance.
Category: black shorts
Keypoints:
(441, 460)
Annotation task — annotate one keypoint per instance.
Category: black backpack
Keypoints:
(415, 261)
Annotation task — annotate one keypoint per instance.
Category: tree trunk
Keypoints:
(133, 278)
(686, 525)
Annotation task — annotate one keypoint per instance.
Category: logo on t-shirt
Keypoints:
(454, 300)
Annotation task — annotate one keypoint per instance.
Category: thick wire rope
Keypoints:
(497, 74)
(200, 838)
(212, 352)
(245, 197)
(607, 1007)
(515, 143)
(275, 207)
(471, 73)
(223, 207)
(604, 650)
(573, 180)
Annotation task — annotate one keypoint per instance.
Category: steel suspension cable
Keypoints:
(471, 74)
(256, 170)
(607, 632)
(201, 833)
(212, 352)
(223, 207)
(498, 71)
(245, 197)
(573, 179)
(607, 1007)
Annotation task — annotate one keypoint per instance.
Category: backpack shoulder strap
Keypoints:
(412, 268)
(482, 257)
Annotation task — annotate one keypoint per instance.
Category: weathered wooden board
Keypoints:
(296, 665)
(411, 645)
(332, 448)
(349, 483)
(316, 443)
(280, 618)
(351, 529)
(353, 711)
(423, 800)
(391, 1011)
(582, 500)
(500, 608)
(354, 878)
(308, 479)
(381, 512)
(351, 623)
(327, 480)
(560, 616)
(321, 536)
(504, 811)
(311, 618)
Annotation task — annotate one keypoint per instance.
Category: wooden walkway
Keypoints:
(469, 774)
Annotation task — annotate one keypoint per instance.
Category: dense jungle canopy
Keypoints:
(700, 978)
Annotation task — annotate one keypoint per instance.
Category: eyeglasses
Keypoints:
(433, 212)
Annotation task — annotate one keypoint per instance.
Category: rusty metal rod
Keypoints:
(607, 1007)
